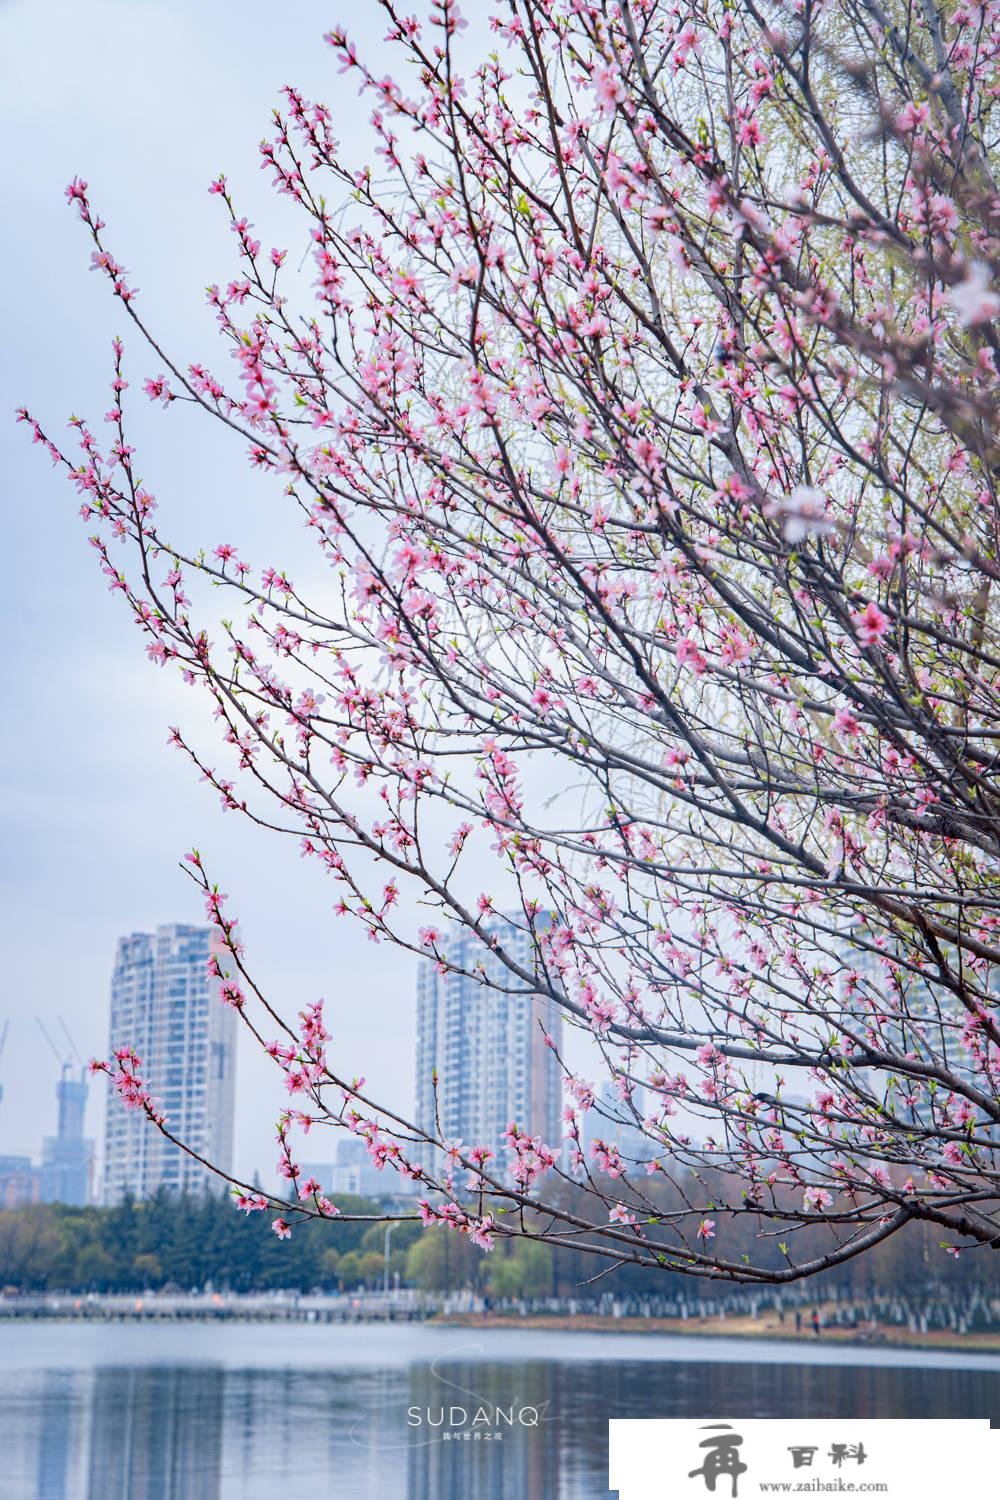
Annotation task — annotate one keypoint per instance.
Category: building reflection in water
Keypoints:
(156, 1433)
(214, 1432)
(58, 1432)
(517, 1450)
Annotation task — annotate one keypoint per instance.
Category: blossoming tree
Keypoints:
(643, 407)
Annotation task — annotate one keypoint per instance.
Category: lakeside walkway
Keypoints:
(462, 1311)
(218, 1307)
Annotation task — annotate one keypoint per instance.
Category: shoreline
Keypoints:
(767, 1328)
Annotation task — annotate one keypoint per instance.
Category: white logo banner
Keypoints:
(742, 1460)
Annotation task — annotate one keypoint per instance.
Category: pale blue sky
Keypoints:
(146, 99)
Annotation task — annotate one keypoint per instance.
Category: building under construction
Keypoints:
(65, 1174)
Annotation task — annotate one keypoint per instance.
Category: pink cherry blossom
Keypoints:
(644, 680)
(870, 623)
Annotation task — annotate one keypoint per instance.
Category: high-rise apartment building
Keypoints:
(165, 1005)
(486, 1046)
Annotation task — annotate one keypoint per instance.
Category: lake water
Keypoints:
(307, 1412)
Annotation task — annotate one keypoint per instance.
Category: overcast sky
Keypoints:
(148, 100)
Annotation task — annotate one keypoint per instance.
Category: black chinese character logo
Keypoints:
(722, 1457)
(802, 1457)
(840, 1451)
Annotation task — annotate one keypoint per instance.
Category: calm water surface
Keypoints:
(244, 1412)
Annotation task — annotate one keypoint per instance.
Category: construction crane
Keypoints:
(69, 1037)
(72, 1095)
(65, 1063)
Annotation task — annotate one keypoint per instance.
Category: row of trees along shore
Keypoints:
(640, 398)
(187, 1243)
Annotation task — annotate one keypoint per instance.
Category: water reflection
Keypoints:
(156, 1434)
(488, 1430)
(218, 1432)
(55, 1409)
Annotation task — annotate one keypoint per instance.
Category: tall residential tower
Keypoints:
(164, 1004)
(486, 1046)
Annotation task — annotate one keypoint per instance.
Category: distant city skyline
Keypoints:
(487, 1045)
